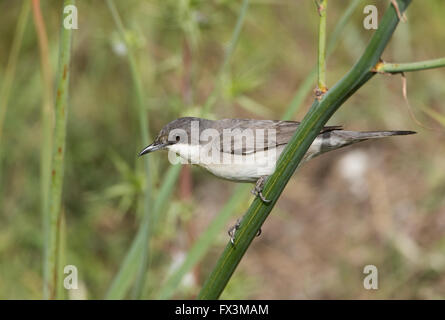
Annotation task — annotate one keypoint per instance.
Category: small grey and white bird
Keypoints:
(246, 150)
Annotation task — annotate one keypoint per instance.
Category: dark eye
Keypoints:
(178, 138)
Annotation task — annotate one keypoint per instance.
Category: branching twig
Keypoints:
(400, 68)
(321, 87)
(384, 67)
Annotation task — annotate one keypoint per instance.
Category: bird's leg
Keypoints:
(232, 231)
(258, 190)
(235, 227)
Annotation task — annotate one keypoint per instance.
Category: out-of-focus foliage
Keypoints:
(377, 203)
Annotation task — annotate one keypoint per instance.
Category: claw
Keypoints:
(260, 194)
(258, 189)
(232, 231)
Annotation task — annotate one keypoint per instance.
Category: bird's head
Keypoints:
(175, 132)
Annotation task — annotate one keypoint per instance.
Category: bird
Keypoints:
(246, 150)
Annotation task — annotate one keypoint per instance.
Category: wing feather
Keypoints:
(246, 136)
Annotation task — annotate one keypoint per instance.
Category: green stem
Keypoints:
(313, 122)
(306, 87)
(384, 67)
(57, 163)
(322, 7)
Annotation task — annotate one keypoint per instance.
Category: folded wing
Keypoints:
(245, 136)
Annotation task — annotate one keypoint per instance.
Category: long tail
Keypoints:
(356, 136)
(335, 139)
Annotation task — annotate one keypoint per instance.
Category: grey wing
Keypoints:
(246, 136)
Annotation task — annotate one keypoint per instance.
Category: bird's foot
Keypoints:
(235, 227)
(232, 231)
(258, 189)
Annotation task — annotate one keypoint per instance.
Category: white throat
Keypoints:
(247, 168)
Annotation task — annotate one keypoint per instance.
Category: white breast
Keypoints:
(247, 168)
(242, 168)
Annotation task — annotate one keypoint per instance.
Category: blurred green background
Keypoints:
(379, 203)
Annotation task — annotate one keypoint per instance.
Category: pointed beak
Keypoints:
(153, 147)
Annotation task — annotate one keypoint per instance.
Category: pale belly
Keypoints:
(241, 168)
(240, 172)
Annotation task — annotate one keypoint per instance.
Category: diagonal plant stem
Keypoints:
(313, 122)
(202, 245)
(51, 272)
(384, 67)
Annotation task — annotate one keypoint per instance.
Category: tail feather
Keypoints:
(364, 135)
(336, 139)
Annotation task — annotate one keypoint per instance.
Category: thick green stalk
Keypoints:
(310, 127)
(384, 67)
(51, 274)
